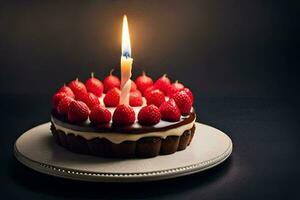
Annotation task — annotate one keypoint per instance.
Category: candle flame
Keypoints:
(126, 47)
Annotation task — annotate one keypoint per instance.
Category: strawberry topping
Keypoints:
(111, 82)
(163, 84)
(94, 86)
(112, 98)
(169, 111)
(78, 112)
(78, 88)
(155, 97)
(63, 106)
(135, 99)
(100, 115)
(143, 82)
(149, 115)
(124, 115)
(183, 101)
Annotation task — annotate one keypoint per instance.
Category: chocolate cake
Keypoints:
(132, 141)
(158, 119)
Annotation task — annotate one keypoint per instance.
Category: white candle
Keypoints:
(126, 64)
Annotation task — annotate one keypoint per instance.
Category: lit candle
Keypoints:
(126, 64)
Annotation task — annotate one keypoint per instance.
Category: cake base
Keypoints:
(37, 150)
(142, 148)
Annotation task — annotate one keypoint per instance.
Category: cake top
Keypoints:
(96, 104)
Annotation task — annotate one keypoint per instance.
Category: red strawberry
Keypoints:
(149, 115)
(78, 88)
(189, 92)
(148, 90)
(100, 115)
(183, 102)
(133, 86)
(143, 82)
(124, 115)
(57, 97)
(112, 98)
(110, 82)
(137, 92)
(135, 99)
(90, 100)
(175, 87)
(63, 106)
(163, 84)
(94, 86)
(155, 97)
(67, 90)
(78, 112)
(169, 111)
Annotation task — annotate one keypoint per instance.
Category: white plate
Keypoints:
(37, 150)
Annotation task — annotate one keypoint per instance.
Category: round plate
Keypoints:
(37, 150)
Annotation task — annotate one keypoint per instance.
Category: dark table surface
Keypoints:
(264, 163)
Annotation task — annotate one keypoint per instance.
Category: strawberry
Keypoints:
(78, 112)
(100, 115)
(133, 86)
(137, 92)
(169, 111)
(155, 97)
(110, 82)
(67, 90)
(183, 102)
(189, 92)
(143, 82)
(94, 86)
(57, 97)
(148, 90)
(112, 98)
(124, 115)
(63, 106)
(78, 88)
(163, 84)
(135, 99)
(149, 115)
(90, 100)
(175, 87)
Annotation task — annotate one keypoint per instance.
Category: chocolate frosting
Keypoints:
(110, 128)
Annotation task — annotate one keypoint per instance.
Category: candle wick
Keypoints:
(126, 54)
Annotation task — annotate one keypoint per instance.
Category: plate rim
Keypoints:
(82, 175)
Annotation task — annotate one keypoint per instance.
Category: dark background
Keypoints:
(240, 58)
(222, 48)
